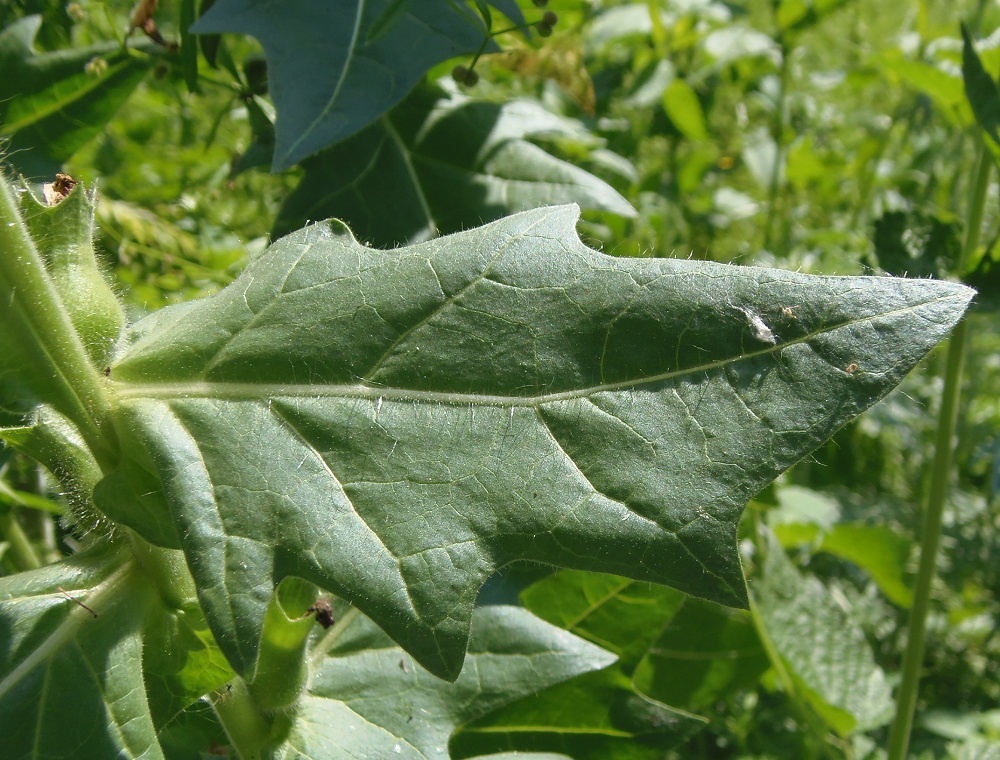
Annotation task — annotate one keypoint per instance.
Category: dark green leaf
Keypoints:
(444, 163)
(395, 426)
(981, 90)
(329, 75)
(916, 245)
(706, 653)
(985, 278)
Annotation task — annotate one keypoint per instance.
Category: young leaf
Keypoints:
(395, 426)
(333, 69)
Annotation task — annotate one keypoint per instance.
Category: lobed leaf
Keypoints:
(395, 426)
(444, 163)
(335, 67)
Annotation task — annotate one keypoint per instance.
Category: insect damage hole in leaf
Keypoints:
(498, 364)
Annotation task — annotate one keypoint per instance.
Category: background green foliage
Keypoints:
(830, 137)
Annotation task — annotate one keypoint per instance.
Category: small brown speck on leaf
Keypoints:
(324, 612)
(55, 192)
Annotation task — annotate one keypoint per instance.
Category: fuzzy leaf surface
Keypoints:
(824, 650)
(367, 699)
(395, 426)
(335, 67)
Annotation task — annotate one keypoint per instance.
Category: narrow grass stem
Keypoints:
(899, 737)
(778, 128)
(22, 553)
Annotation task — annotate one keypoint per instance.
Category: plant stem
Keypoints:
(778, 129)
(899, 737)
(37, 322)
(22, 553)
(249, 732)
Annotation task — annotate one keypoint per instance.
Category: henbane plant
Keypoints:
(389, 429)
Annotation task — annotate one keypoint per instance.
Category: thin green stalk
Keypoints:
(774, 185)
(46, 334)
(906, 701)
(22, 553)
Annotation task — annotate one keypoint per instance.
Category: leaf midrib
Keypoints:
(231, 391)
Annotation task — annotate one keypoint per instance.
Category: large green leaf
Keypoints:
(443, 163)
(50, 105)
(822, 648)
(368, 699)
(395, 426)
(334, 67)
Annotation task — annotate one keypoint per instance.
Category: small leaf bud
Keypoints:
(550, 18)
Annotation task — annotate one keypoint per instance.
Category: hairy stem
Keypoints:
(50, 350)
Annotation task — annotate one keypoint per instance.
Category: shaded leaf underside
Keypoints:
(71, 684)
(397, 425)
(335, 67)
(442, 163)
